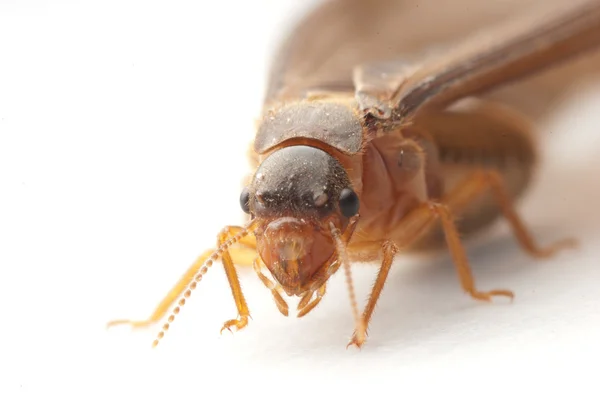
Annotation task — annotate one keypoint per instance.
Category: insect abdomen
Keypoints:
(489, 137)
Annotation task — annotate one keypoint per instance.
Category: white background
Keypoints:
(123, 135)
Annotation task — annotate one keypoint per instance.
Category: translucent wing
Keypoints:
(322, 47)
(395, 91)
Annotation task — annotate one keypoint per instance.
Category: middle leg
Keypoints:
(418, 221)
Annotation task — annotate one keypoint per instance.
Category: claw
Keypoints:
(238, 323)
(356, 343)
(552, 250)
(357, 340)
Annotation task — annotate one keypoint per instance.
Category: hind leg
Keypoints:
(482, 181)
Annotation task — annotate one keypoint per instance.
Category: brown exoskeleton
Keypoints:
(360, 155)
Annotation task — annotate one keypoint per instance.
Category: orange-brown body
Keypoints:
(361, 154)
(451, 154)
(440, 150)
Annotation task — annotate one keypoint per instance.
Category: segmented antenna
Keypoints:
(343, 255)
(192, 286)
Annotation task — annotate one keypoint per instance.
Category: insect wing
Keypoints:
(533, 42)
(322, 47)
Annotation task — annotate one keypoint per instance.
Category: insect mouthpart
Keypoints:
(294, 250)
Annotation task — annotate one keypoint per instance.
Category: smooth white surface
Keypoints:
(123, 131)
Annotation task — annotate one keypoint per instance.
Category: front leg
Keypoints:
(389, 250)
(243, 254)
(234, 283)
(226, 239)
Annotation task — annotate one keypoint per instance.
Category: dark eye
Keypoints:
(349, 202)
(245, 200)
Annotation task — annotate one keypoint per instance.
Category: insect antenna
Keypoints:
(198, 277)
(343, 256)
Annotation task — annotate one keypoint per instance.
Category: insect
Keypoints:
(361, 155)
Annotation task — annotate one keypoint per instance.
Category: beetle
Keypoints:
(361, 155)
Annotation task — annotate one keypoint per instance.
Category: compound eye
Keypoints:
(245, 200)
(349, 202)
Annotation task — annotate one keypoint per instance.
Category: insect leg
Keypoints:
(275, 289)
(484, 180)
(411, 227)
(389, 250)
(234, 282)
(242, 255)
(460, 257)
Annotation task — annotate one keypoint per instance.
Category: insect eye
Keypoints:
(349, 202)
(245, 200)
